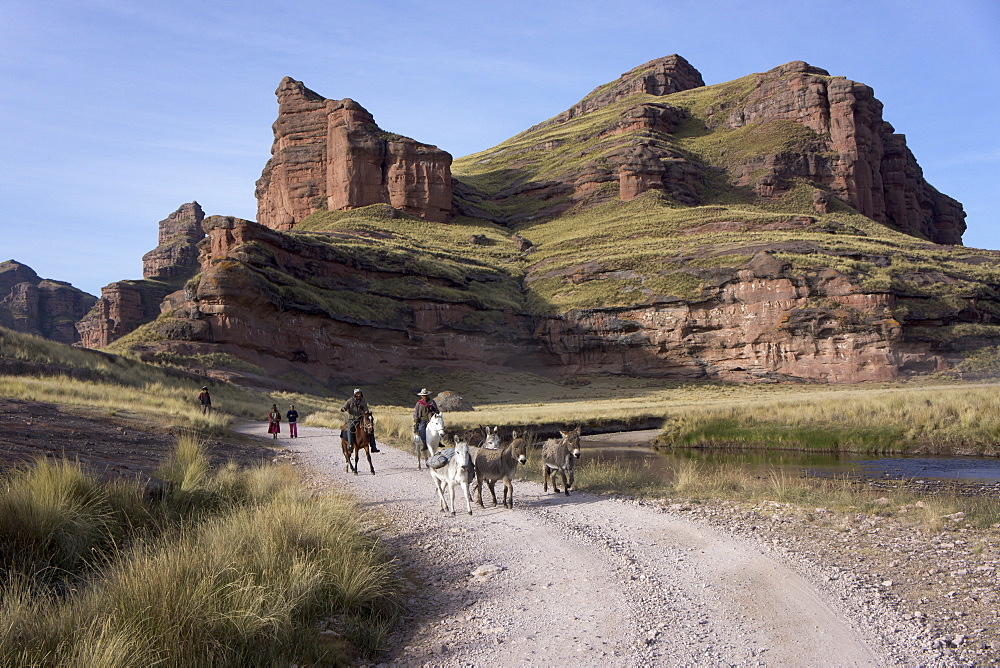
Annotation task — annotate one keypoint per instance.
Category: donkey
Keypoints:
(363, 431)
(492, 440)
(558, 455)
(435, 430)
(460, 471)
(493, 465)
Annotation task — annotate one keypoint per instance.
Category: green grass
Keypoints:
(230, 568)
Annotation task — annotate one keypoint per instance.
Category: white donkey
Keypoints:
(458, 472)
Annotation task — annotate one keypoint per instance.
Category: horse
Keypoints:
(435, 430)
(460, 472)
(364, 429)
(558, 456)
(493, 465)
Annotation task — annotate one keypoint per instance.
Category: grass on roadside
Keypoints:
(228, 567)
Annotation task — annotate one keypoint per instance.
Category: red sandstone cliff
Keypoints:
(859, 157)
(617, 142)
(759, 321)
(125, 305)
(176, 254)
(330, 154)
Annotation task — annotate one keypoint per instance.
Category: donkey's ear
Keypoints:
(513, 434)
(564, 433)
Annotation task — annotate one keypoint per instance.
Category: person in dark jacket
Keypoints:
(356, 407)
(293, 418)
(422, 412)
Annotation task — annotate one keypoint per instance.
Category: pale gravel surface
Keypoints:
(588, 580)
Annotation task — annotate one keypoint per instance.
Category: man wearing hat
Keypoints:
(293, 422)
(356, 407)
(422, 412)
(206, 401)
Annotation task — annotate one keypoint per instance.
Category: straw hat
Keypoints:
(423, 393)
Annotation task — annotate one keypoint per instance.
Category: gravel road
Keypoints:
(586, 580)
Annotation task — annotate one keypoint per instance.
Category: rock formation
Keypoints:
(857, 155)
(330, 154)
(40, 306)
(126, 305)
(662, 76)
(798, 123)
(176, 255)
(715, 235)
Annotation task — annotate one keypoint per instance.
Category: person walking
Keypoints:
(205, 399)
(293, 418)
(274, 421)
(356, 408)
(422, 412)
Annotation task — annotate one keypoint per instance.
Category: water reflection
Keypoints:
(641, 456)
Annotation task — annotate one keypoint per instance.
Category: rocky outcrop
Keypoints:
(330, 154)
(279, 319)
(856, 154)
(758, 322)
(126, 305)
(662, 76)
(40, 306)
(123, 306)
(772, 131)
(176, 255)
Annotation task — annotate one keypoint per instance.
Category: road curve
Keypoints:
(582, 580)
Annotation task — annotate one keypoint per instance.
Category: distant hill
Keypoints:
(40, 306)
(769, 228)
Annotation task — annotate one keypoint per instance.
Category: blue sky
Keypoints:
(115, 113)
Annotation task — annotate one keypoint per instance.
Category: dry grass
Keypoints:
(229, 568)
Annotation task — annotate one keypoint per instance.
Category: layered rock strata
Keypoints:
(758, 322)
(799, 124)
(330, 154)
(126, 305)
(40, 306)
(281, 322)
(857, 155)
(176, 254)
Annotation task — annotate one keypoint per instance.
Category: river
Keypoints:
(633, 449)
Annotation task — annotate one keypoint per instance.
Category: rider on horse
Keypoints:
(356, 408)
(422, 412)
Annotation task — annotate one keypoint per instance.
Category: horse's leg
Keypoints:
(347, 455)
(368, 453)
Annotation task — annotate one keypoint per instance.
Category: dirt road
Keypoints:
(586, 580)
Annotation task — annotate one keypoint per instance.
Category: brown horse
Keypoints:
(364, 430)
